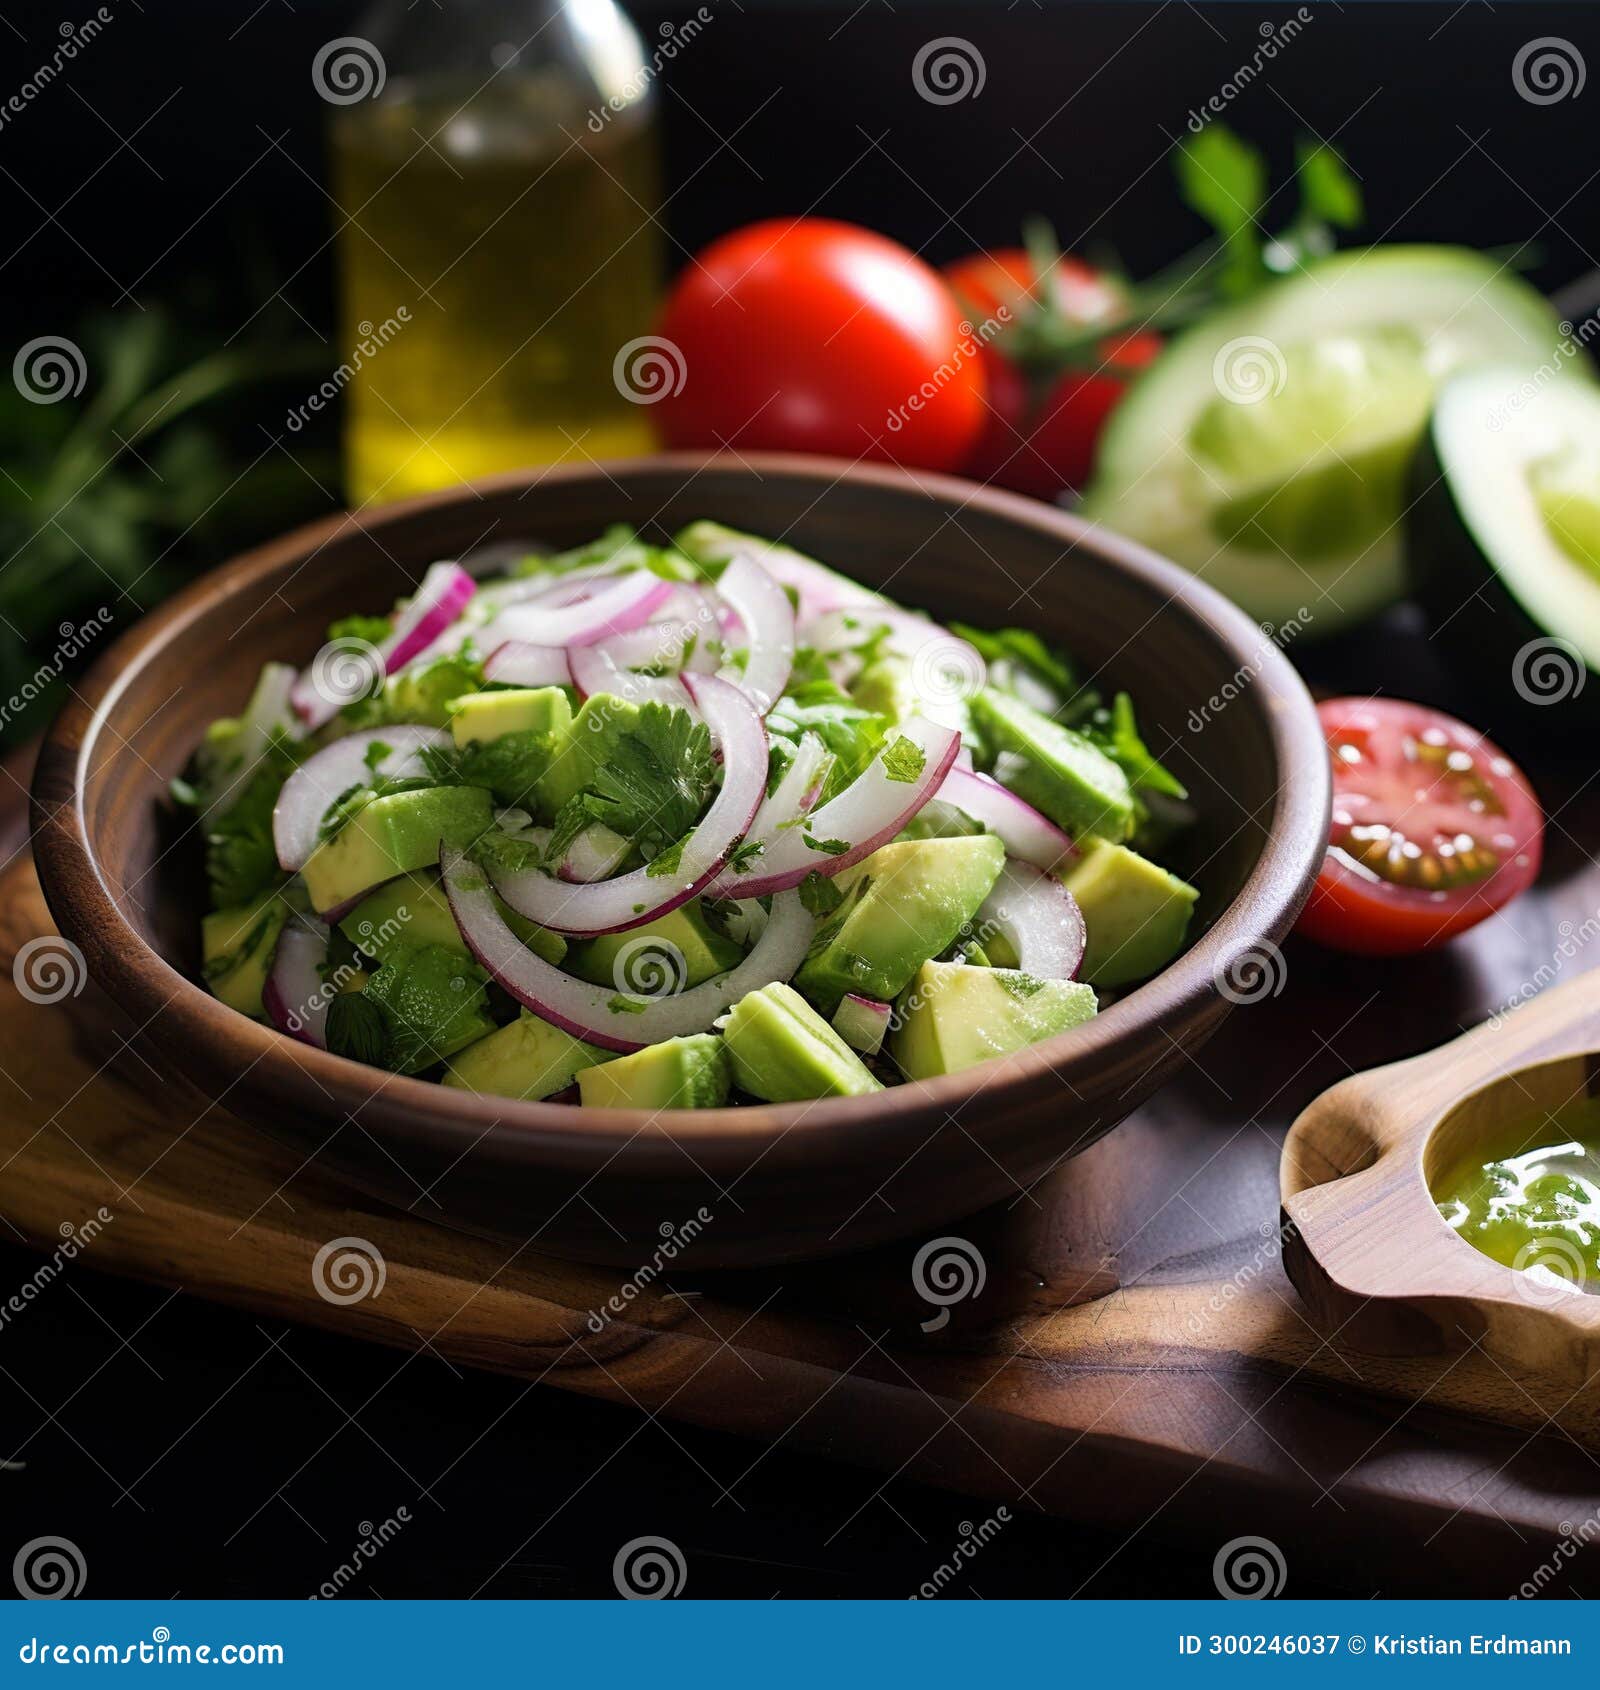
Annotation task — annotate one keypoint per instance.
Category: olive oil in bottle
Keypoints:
(496, 240)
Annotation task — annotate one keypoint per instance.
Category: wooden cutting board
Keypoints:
(1136, 1354)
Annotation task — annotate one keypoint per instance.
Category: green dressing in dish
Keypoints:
(1537, 1210)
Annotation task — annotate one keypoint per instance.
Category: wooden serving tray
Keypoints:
(1136, 1354)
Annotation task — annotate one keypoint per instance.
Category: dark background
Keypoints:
(180, 163)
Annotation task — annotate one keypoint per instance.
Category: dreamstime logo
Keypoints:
(1547, 70)
(948, 69)
(347, 669)
(346, 1270)
(48, 969)
(373, 1538)
(1549, 1270)
(49, 1569)
(1548, 670)
(374, 337)
(1274, 38)
(649, 1569)
(947, 1271)
(649, 967)
(1249, 369)
(649, 369)
(1251, 973)
(49, 369)
(946, 670)
(674, 38)
(1249, 1569)
(674, 1241)
(348, 70)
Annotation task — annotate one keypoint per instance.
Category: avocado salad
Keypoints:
(673, 826)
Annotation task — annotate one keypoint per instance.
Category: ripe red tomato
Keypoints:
(812, 336)
(1434, 828)
(1048, 447)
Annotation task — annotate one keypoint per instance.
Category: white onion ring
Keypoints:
(294, 994)
(585, 1011)
(867, 814)
(767, 617)
(1019, 827)
(1039, 918)
(518, 664)
(313, 787)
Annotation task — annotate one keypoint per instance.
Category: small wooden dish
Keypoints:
(124, 878)
(1364, 1243)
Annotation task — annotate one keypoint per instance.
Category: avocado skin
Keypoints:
(1478, 625)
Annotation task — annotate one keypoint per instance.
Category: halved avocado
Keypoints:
(1503, 539)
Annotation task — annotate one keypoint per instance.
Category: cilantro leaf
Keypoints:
(656, 778)
(1116, 733)
(819, 894)
(665, 862)
(903, 759)
(1024, 647)
(744, 856)
(373, 630)
(511, 765)
(241, 860)
(357, 1029)
(833, 847)
(1224, 179)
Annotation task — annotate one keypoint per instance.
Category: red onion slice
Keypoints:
(267, 714)
(867, 814)
(862, 1022)
(594, 670)
(611, 609)
(767, 617)
(629, 900)
(797, 791)
(295, 994)
(592, 1012)
(1038, 918)
(516, 663)
(440, 598)
(1019, 827)
(313, 787)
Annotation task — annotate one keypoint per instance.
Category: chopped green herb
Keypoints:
(744, 856)
(357, 1029)
(620, 1005)
(819, 894)
(833, 847)
(903, 759)
(666, 862)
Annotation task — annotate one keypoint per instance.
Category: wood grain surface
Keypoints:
(1136, 1354)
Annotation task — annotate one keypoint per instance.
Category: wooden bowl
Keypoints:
(1218, 702)
(1364, 1242)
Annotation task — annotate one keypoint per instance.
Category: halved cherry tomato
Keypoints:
(1434, 828)
(807, 335)
(1044, 448)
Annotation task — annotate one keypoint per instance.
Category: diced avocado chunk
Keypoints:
(528, 1059)
(238, 945)
(413, 910)
(392, 836)
(487, 715)
(688, 1073)
(861, 1023)
(886, 686)
(433, 1003)
(585, 745)
(668, 955)
(956, 1015)
(783, 1051)
(1136, 913)
(903, 904)
(1056, 770)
